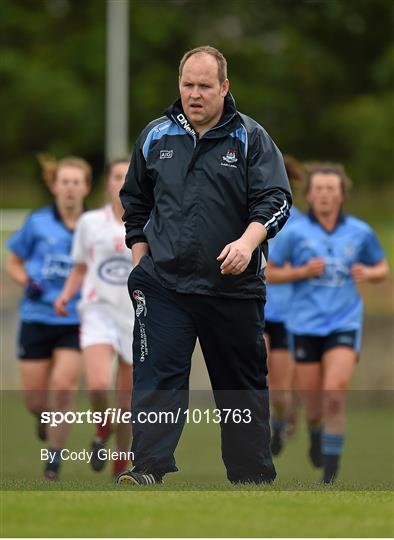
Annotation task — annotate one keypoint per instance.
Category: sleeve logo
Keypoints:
(166, 154)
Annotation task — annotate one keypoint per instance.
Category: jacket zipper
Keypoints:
(221, 125)
(194, 157)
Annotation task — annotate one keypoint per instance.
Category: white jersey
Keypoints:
(99, 243)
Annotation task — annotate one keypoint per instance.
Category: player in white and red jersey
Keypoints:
(102, 266)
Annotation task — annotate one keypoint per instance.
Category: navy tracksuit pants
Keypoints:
(230, 332)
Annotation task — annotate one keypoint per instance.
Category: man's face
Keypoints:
(202, 95)
(325, 194)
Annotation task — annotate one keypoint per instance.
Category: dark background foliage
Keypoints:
(317, 74)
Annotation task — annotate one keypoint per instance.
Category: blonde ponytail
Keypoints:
(50, 167)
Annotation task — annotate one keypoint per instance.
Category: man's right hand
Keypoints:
(139, 250)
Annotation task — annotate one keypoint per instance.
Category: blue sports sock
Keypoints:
(55, 464)
(332, 444)
(278, 425)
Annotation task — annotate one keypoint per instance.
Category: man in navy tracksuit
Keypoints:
(205, 189)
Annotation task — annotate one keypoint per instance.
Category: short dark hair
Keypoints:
(327, 167)
(207, 49)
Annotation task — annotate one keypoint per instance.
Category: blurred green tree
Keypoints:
(316, 73)
(52, 79)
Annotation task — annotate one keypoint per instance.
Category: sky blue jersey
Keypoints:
(330, 302)
(279, 295)
(44, 243)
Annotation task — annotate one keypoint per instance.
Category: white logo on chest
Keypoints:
(230, 159)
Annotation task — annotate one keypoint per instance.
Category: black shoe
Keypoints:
(328, 478)
(41, 429)
(139, 479)
(276, 442)
(96, 463)
(315, 449)
(51, 471)
(52, 467)
(331, 465)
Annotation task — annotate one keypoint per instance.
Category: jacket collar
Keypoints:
(228, 121)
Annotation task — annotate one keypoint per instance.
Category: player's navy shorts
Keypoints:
(37, 341)
(307, 349)
(277, 333)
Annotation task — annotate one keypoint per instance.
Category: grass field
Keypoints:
(202, 514)
(198, 501)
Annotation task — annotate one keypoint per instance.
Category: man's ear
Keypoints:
(225, 88)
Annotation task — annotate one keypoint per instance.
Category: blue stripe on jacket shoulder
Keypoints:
(165, 128)
(241, 134)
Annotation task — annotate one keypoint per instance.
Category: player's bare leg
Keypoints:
(309, 384)
(280, 374)
(64, 382)
(35, 379)
(338, 365)
(98, 361)
(124, 383)
(294, 407)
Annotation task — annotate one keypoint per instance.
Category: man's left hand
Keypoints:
(236, 257)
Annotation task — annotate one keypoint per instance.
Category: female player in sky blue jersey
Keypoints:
(328, 253)
(281, 365)
(102, 267)
(48, 345)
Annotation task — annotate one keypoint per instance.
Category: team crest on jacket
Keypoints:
(230, 159)
(231, 156)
